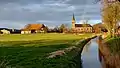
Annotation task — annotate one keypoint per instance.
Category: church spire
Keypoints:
(73, 18)
(73, 21)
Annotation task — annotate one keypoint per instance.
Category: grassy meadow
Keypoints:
(31, 50)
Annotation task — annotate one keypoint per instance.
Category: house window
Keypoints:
(87, 28)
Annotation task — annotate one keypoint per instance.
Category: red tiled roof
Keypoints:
(33, 27)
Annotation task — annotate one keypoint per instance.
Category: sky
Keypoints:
(18, 13)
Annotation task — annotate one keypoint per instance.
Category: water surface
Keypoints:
(90, 55)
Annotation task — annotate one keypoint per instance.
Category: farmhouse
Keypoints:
(99, 28)
(80, 28)
(33, 28)
(4, 31)
(118, 30)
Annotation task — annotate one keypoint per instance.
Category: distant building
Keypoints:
(99, 28)
(118, 30)
(33, 28)
(15, 31)
(4, 31)
(81, 28)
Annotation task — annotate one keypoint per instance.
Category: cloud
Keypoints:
(49, 12)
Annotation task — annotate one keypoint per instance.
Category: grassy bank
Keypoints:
(114, 45)
(30, 51)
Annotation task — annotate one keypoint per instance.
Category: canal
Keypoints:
(90, 55)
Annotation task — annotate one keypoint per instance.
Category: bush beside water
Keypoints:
(114, 45)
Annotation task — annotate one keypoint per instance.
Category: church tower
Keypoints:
(73, 21)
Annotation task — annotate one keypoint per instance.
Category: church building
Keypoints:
(81, 28)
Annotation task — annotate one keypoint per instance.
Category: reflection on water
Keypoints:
(86, 48)
(90, 58)
(96, 55)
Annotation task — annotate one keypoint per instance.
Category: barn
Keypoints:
(33, 28)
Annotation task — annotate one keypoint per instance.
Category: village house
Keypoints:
(4, 31)
(118, 31)
(99, 28)
(81, 28)
(33, 28)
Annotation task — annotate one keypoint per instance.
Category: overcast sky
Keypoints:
(18, 13)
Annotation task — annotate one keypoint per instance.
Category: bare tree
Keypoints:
(111, 16)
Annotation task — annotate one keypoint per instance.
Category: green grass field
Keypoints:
(31, 37)
(29, 51)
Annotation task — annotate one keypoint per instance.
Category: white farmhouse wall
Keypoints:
(25, 32)
(5, 31)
